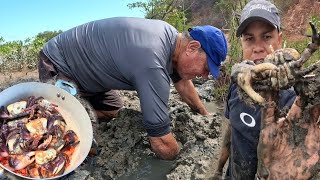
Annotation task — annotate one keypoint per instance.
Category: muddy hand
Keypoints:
(289, 149)
(246, 72)
(283, 76)
(290, 62)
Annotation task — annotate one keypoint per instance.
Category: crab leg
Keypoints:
(311, 48)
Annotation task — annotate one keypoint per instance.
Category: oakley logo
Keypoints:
(252, 122)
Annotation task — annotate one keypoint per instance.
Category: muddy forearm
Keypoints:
(165, 147)
(190, 96)
(225, 150)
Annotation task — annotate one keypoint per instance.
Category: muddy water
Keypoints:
(150, 168)
(213, 107)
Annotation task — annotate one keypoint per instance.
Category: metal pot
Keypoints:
(70, 108)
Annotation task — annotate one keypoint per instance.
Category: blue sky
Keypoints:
(21, 19)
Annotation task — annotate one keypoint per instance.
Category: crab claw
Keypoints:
(55, 167)
(311, 48)
(315, 34)
(21, 161)
(60, 163)
(245, 80)
(33, 171)
(46, 141)
(4, 114)
(71, 140)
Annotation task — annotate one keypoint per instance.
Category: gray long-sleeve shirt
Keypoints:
(121, 53)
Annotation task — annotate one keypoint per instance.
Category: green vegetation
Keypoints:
(300, 45)
(19, 55)
(172, 11)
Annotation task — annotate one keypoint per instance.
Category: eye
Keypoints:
(267, 37)
(248, 38)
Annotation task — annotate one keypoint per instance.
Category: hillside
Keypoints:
(294, 14)
(295, 20)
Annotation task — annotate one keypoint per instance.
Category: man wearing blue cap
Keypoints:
(135, 54)
(260, 34)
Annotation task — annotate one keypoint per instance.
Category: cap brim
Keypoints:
(214, 69)
(246, 22)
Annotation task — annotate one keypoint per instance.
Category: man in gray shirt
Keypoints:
(136, 54)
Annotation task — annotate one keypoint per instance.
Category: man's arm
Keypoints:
(189, 95)
(224, 153)
(165, 147)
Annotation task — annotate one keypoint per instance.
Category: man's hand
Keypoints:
(165, 147)
(224, 154)
(282, 76)
(190, 96)
(289, 148)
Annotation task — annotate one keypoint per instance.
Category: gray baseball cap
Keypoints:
(258, 10)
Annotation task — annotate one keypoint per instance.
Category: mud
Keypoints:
(122, 144)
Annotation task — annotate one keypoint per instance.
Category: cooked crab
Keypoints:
(34, 136)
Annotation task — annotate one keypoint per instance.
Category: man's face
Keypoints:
(258, 39)
(193, 63)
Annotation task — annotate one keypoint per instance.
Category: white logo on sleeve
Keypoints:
(250, 124)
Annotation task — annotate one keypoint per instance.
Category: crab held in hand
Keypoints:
(280, 70)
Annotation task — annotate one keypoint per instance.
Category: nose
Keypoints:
(259, 47)
(205, 74)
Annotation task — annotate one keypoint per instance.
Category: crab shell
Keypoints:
(17, 107)
(37, 127)
(43, 157)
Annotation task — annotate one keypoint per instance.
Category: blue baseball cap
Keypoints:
(214, 44)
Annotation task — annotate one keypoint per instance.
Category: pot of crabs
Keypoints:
(45, 132)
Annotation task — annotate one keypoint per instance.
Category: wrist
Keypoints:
(203, 111)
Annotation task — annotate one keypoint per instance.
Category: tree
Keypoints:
(171, 11)
(1, 40)
(47, 35)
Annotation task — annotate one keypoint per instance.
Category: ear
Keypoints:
(280, 39)
(192, 46)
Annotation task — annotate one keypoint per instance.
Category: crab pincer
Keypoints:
(21, 161)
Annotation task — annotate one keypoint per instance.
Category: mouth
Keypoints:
(258, 61)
